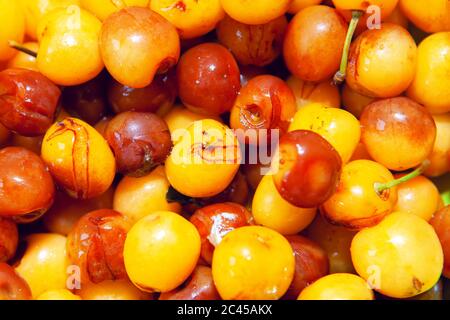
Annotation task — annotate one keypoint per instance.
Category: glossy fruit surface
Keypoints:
(431, 83)
(13, 27)
(136, 43)
(311, 264)
(159, 94)
(401, 240)
(357, 204)
(237, 263)
(271, 210)
(377, 54)
(340, 128)
(12, 286)
(35, 11)
(208, 79)
(95, 245)
(192, 18)
(263, 104)
(253, 12)
(82, 49)
(24, 176)
(78, 158)
(418, 196)
(257, 45)
(338, 286)
(398, 132)
(215, 221)
(140, 142)
(138, 197)
(324, 92)
(44, 264)
(430, 16)
(314, 42)
(305, 155)
(28, 101)
(204, 160)
(161, 251)
(199, 286)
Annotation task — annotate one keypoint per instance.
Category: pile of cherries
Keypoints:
(324, 132)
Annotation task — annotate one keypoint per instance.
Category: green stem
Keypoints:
(380, 187)
(339, 77)
(17, 46)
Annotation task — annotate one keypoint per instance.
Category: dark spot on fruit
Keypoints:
(417, 284)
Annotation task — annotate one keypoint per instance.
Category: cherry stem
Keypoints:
(17, 46)
(339, 77)
(380, 187)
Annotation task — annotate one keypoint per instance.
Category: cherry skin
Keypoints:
(199, 286)
(398, 133)
(24, 176)
(311, 264)
(314, 42)
(149, 44)
(357, 203)
(307, 157)
(12, 286)
(376, 55)
(28, 101)
(217, 220)
(95, 244)
(257, 45)
(86, 101)
(140, 142)
(208, 79)
(159, 94)
(264, 103)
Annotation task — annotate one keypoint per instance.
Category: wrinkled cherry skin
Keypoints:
(314, 43)
(441, 224)
(140, 141)
(27, 187)
(9, 237)
(215, 221)
(28, 101)
(158, 94)
(95, 244)
(257, 45)
(12, 286)
(208, 79)
(311, 264)
(265, 102)
(199, 286)
(308, 169)
(86, 101)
